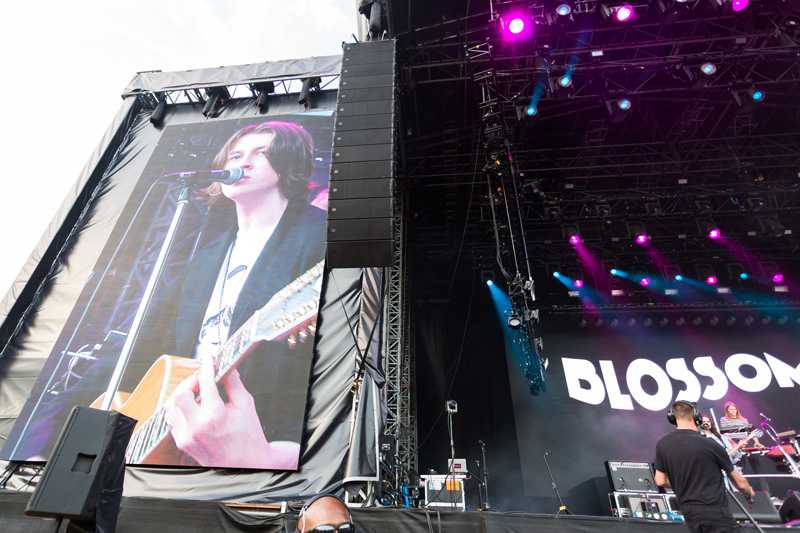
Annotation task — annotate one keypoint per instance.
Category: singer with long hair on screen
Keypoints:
(260, 233)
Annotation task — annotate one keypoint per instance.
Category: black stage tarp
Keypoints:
(151, 514)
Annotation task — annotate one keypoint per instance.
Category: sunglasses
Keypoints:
(344, 527)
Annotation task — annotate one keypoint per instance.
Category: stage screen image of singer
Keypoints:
(231, 321)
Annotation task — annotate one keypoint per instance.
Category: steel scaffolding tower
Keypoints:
(401, 420)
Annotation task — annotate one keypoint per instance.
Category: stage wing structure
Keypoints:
(68, 314)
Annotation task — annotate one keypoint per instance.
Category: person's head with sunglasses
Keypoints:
(325, 513)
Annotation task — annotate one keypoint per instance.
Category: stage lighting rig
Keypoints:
(516, 24)
(311, 86)
(675, 7)
(621, 12)
(160, 112)
(739, 5)
(375, 13)
(262, 90)
(216, 99)
(708, 68)
(618, 109)
(564, 9)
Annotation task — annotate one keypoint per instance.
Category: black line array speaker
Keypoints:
(360, 205)
(83, 478)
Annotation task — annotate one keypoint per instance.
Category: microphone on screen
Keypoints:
(228, 177)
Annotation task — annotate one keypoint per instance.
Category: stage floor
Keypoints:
(143, 515)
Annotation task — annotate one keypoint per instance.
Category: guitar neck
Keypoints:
(293, 308)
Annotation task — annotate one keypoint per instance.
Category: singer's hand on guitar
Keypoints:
(215, 432)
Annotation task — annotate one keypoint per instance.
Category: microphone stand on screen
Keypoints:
(187, 181)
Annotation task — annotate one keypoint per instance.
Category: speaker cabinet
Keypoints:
(360, 206)
(83, 478)
(761, 508)
(790, 510)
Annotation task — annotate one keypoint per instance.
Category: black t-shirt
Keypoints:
(693, 464)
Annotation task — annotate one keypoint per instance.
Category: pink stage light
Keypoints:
(711, 280)
(644, 282)
(739, 5)
(575, 240)
(578, 283)
(714, 234)
(642, 238)
(516, 26)
(777, 278)
(624, 13)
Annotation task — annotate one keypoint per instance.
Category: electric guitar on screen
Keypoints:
(290, 314)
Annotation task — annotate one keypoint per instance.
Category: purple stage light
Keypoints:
(739, 5)
(644, 282)
(642, 238)
(578, 283)
(575, 240)
(712, 280)
(777, 278)
(516, 26)
(714, 234)
(624, 13)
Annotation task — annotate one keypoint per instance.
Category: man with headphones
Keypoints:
(325, 513)
(693, 466)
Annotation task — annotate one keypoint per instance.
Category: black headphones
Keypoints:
(695, 413)
(316, 498)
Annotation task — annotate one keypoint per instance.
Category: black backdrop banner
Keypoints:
(338, 437)
(608, 393)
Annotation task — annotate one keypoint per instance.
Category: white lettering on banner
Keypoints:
(615, 396)
(719, 383)
(586, 385)
(577, 370)
(677, 370)
(759, 382)
(784, 374)
(640, 368)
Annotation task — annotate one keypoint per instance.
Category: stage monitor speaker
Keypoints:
(83, 478)
(761, 508)
(360, 205)
(790, 510)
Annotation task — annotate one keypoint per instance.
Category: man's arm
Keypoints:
(662, 480)
(742, 483)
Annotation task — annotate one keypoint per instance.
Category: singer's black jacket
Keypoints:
(275, 375)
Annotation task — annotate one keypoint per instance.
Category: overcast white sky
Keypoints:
(66, 63)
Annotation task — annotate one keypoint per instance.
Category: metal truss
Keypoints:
(703, 163)
(596, 46)
(194, 95)
(658, 60)
(401, 420)
(507, 220)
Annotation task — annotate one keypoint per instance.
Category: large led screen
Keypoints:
(215, 367)
(609, 390)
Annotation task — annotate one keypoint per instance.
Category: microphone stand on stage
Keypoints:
(562, 507)
(742, 507)
(452, 408)
(483, 487)
(794, 467)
